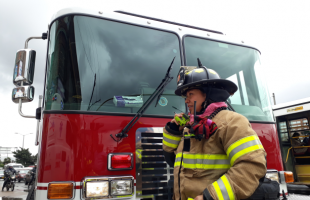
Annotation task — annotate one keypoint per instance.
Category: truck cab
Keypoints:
(94, 58)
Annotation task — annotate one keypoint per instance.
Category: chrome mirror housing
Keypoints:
(24, 67)
(25, 93)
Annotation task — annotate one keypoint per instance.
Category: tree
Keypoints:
(34, 158)
(6, 160)
(23, 156)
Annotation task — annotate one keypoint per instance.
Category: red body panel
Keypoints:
(268, 136)
(77, 145)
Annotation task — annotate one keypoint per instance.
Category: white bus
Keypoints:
(292, 120)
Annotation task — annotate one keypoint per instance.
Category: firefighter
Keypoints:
(217, 155)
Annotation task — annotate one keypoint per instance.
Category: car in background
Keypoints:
(21, 173)
(1, 174)
(14, 165)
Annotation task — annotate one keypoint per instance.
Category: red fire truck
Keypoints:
(97, 137)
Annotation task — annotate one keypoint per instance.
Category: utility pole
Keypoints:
(23, 136)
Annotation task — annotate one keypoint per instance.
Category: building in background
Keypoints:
(7, 152)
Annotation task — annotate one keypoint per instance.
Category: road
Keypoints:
(17, 194)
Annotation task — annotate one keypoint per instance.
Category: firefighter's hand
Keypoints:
(180, 115)
(199, 197)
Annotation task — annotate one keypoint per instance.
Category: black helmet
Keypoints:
(205, 79)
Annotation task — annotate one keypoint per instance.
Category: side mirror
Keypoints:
(24, 67)
(25, 93)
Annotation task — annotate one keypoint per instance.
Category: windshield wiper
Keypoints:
(91, 97)
(157, 93)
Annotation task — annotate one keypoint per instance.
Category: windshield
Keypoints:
(107, 66)
(1, 171)
(240, 65)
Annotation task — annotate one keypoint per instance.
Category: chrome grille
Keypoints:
(152, 171)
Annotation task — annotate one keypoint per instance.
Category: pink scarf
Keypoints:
(210, 109)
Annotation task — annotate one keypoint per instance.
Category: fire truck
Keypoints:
(105, 102)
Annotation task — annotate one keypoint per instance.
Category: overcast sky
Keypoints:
(279, 29)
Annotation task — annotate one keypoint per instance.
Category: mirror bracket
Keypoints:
(38, 112)
(20, 110)
(43, 37)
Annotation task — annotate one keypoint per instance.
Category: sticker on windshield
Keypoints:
(163, 101)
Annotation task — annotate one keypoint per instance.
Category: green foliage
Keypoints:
(6, 160)
(34, 158)
(24, 157)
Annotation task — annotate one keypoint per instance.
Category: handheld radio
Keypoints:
(183, 120)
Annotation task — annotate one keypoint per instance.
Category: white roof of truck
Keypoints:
(140, 21)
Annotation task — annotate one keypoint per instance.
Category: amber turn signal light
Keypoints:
(60, 191)
(289, 178)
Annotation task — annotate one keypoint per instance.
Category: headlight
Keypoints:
(107, 187)
(273, 176)
(121, 187)
(97, 189)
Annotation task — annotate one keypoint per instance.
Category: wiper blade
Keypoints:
(157, 93)
(89, 105)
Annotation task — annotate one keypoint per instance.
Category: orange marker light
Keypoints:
(60, 191)
(289, 178)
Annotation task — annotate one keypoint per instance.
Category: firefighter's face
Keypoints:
(192, 96)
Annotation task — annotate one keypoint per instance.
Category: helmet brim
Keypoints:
(227, 85)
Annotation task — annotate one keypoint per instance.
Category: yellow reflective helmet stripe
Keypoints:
(223, 189)
(242, 147)
(202, 161)
(171, 141)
